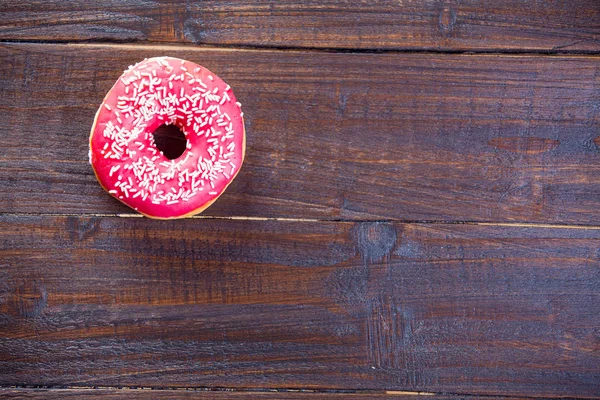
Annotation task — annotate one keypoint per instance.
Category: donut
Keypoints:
(165, 94)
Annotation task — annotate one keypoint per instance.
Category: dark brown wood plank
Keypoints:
(423, 25)
(333, 136)
(220, 395)
(274, 304)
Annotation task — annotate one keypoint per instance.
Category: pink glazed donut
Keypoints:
(152, 94)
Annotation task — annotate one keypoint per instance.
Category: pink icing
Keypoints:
(159, 91)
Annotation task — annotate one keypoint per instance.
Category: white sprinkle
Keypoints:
(113, 170)
(224, 98)
(112, 192)
(212, 193)
(210, 77)
(107, 107)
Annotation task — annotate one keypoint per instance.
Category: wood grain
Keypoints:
(333, 136)
(438, 25)
(274, 304)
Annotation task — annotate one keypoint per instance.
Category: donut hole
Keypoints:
(170, 140)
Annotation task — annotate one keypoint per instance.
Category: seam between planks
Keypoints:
(277, 390)
(315, 220)
(240, 47)
(231, 390)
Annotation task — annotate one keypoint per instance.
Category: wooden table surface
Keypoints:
(418, 213)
